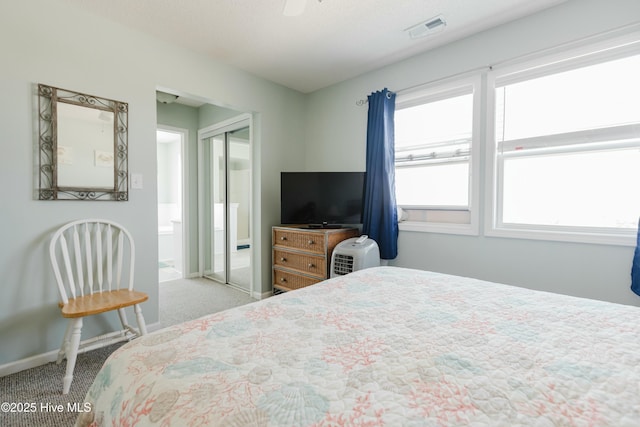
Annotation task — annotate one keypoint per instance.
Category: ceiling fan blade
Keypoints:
(294, 7)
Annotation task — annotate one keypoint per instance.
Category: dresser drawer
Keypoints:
(289, 281)
(307, 241)
(301, 256)
(315, 265)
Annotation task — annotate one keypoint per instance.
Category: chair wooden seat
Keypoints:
(93, 264)
(101, 302)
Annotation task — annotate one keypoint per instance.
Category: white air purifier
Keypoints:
(354, 254)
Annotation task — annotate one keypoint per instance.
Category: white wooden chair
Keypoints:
(90, 259)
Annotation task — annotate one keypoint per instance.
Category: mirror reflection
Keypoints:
(82, 146)
(85, 147)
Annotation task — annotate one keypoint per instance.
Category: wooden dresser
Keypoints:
(302, 256)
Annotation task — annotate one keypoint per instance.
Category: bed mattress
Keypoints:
(383, 347)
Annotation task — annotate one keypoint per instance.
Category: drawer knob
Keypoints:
(283, 259)
(282, 279)
(312, 266)
(311, 242)
(283, 238)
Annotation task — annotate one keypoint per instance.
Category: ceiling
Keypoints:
(331, 41)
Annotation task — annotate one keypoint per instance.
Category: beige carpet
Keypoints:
(180, 300)
(187, 299)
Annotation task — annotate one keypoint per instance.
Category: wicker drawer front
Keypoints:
(290, 281)
(312, 242)
(301, 256)
(310, 264)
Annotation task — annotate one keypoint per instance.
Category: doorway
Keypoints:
(224, 157)
(171, 205)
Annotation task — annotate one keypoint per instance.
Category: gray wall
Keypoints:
(336, 131)
(51, 42)
(43, 41)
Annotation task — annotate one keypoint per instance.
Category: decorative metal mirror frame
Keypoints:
(48, 98)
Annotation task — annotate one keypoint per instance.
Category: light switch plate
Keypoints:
(136, 181)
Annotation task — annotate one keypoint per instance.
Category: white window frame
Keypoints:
(444, 219)
(551, 64)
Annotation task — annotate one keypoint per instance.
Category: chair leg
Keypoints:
(140, 317)
(123, 318)
(65, 342)
(72, 353)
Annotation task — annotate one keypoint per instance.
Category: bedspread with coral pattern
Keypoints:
(383, 347)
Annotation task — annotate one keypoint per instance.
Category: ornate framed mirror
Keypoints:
(83, 146)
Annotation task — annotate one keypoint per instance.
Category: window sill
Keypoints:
(622, 239)
(438, 227)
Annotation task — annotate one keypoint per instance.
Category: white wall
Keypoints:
(336, 132)
(44, 41)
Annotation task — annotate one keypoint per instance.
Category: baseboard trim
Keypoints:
(261, 296)
(44, 358)
(28, 363)
(153, 327)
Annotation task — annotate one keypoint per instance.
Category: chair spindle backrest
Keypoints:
(86, 244)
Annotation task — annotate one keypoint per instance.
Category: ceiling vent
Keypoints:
(432, 26)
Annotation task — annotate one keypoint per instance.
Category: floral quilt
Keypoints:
(383, 347)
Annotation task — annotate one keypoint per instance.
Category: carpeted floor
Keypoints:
(39, 389)
(186, 299)
(37, 392)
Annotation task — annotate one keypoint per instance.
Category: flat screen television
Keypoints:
(321, 199)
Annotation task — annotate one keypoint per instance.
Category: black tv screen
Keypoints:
(321, 198)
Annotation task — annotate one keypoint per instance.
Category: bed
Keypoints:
(383, 347)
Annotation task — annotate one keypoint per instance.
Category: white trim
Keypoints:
(433, 89)
(200, 178)
(611, 138)
(234, 123)
(471, 83)
(586, 52)
(44, 358)
(571, 60)
(261, 296)
(437, 91)
(491, 200)
(154, 327)
(228, 125)
(601, 45)
(184, 152)
(577, 236)
(438, 227)
(29, 362)
(474, 164)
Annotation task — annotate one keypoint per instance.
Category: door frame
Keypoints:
(234, 123)
(184, 153)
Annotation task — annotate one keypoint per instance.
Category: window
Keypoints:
(566, 146)
(434, 132)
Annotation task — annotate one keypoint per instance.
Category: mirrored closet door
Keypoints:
(225, 204)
